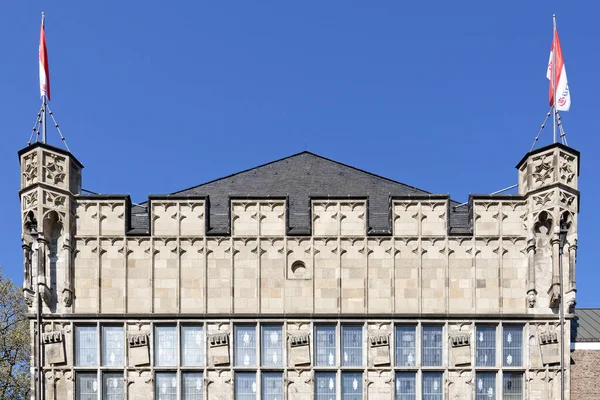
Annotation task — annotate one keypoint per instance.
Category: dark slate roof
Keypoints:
(298, 178)
(585, 325)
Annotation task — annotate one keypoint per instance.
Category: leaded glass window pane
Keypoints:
(166, 386)
(112, 386)
(272, 386)
(512, 346)
(405, 386)
(165, 350)
(352, 346)
(485, 386)
(325, 346)
(352, 385)
(245, 386)
(485, 344)
(85, 345)
(405, 346)
(432, 386)
(86, 387)
(432, 346)
(324, 385)
(191, 386)
(245, 346)
(512, 382)
(112, 346)
(272, 346)
(192, 345)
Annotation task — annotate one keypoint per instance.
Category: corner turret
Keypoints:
(50, 178)
(548, 177)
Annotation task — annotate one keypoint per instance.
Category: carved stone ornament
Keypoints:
(30, 169)
(461, 349)
(219, 349)
(379, 350)
(30, 200)
(54, 349)
(549, 347)
(542, 169)
(299, 350)
(531, 298)
(139, 353)
(54, 168)
(565, 170)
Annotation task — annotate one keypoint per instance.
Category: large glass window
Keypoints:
(512, 346)
(192, 343)
(432, 386)
(112, 346)
(405, 346)
(166, 386)
(165, 349)
(485, 386)
(191, 386)
(406, 386)
(272, 386)
(512, 383)
(86, 386)
(245, 386)
(245, 346)
(325, 345)
(352, 345)
(432, 346)
(485, 345)
(112, 386)
(86, 342)
(352, 386)
(272, 346)
(325, 385)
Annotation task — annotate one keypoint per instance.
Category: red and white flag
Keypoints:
(44, 71)
(563, 95)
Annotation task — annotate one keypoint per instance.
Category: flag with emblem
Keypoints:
(558, 77)
(43, 61)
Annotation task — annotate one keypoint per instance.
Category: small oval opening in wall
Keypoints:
(298, 268)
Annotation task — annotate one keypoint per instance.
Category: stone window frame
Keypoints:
(179, 370)
(499, 369)
(98, 369)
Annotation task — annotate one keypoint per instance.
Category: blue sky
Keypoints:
(154, 96)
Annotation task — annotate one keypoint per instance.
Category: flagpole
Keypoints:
(554, 49)
(44, 96)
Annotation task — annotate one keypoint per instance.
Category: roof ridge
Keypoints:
(296, 155)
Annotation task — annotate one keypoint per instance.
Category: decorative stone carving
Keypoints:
(54, 168)
(461, 349)
(549, 347)
(566, 199)
(542, 199)
(139, 353)
(542, 170)
(30, 169)
(379, 350)
(54, 349)
(566, 170)
(67, 291)
(218, 349)
(531, 291)
(300, 350)
(30, 200)
(54, 199)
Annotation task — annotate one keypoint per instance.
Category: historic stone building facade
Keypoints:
(300, 279)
